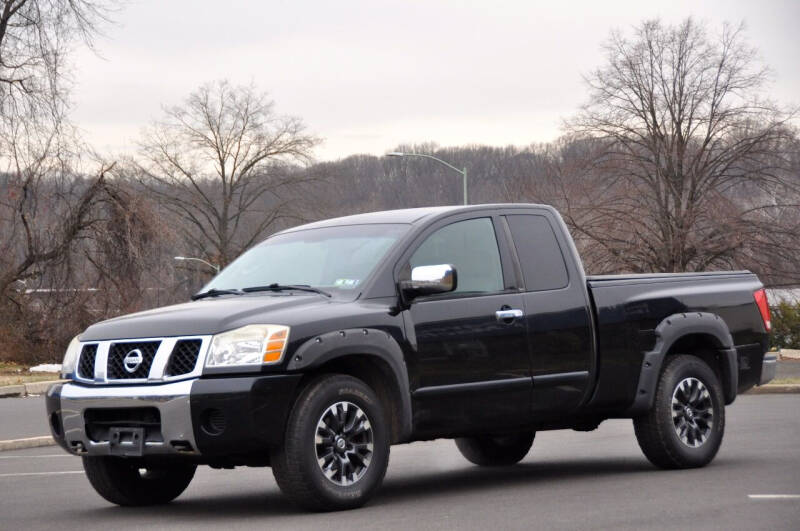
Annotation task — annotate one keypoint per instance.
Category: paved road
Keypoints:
(22, 417)
(570, 480)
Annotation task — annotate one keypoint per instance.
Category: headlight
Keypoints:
(249, 345)
(70, 357)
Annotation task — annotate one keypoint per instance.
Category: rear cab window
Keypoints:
(540, 256)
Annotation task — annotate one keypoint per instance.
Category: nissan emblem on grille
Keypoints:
(132, 360)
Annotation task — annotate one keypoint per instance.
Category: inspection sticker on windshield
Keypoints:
(346, 282)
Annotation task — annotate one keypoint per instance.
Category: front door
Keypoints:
(470, 368)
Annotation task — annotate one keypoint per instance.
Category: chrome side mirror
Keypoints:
(429, 280)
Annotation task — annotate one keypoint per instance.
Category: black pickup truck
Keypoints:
(319, 348)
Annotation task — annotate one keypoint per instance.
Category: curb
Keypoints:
(12, 391)
(774, 389)
(33, 388)
(30, 442)
(40, 388)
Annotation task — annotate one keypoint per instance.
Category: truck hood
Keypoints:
(206, 316)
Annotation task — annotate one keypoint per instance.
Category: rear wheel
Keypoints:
(496, 450)
(125, 482)
(336, 447)
(685, 426)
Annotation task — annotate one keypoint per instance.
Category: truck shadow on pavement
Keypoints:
(399, 487)
(474, 478)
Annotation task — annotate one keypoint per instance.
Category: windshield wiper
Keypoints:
(215, 293)
(283, 287)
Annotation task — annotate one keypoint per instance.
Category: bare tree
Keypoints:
(685, 130)
(36, 37)
(40, 227)
(217, 161)
(46, 214)
(37, 145)
(36, 141)
(46, 208)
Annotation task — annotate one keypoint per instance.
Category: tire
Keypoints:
(333, 408)
(496, 450)
(674, 436)
(123, 482)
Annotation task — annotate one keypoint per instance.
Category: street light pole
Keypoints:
(209, 264)
(462, 172)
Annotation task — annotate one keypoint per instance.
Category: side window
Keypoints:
(471, 247)
(537, 248)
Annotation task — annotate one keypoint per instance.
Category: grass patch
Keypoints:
(27, 378)
(785, 381)
(15, 374)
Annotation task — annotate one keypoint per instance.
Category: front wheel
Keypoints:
(684, 428)
(336, 448)
(496, 450)
(125, 482)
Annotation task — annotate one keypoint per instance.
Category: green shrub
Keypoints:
(785, 326)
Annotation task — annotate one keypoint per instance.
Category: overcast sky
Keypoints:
(368, 75)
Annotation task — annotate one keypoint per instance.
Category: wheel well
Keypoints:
(374, 372)
(704, 346)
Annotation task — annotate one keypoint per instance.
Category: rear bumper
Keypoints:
(768, 367)
(206, 419)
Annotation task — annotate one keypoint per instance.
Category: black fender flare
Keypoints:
(670, 330)
(359, 341)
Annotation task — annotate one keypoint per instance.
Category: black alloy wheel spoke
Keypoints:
(359, 459)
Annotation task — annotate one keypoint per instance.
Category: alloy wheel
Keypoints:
(692, 412)
(344, 443)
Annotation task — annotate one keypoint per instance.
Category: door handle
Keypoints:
(508, 315)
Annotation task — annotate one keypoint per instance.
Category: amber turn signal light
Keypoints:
(276, 345)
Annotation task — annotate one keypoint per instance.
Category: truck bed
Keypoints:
(628, 308)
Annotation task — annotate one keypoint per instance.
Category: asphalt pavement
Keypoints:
(569, 480)
(21, 418)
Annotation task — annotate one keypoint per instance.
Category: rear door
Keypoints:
(557, 313)
(470, 367)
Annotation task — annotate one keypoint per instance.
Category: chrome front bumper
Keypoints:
(172, 401)
(237, 418)
(768, 367)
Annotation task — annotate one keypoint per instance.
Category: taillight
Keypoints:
(763, 307)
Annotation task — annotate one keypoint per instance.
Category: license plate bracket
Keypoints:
(126, 442)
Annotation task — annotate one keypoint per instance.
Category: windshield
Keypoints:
(332, 258)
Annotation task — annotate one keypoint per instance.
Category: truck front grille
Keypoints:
(86, 361)
(120, 366)
(141, 360)
(184, 357)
